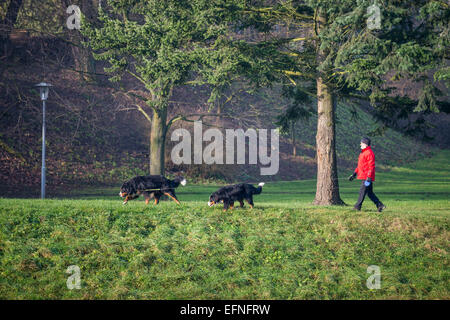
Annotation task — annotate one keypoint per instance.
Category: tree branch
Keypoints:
(135, 95)
(200, 115)
(144, 113)
(142, 81)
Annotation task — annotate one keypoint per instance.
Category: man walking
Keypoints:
(366, 172)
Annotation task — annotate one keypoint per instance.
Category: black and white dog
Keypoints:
(238, 192)
(150, 187)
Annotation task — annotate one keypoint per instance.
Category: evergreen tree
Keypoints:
(360, 49)
(164, 44)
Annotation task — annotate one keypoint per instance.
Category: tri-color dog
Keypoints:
(238, 192)
(150, 187)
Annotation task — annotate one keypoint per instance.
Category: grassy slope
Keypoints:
(285, 248)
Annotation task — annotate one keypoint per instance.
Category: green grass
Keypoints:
(285, 248)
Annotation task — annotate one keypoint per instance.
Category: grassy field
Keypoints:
(285, 248)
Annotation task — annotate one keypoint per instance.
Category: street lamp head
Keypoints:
(43, 88)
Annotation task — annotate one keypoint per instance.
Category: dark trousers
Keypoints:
(362, 194)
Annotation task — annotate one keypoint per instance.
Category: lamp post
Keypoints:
(43, 91)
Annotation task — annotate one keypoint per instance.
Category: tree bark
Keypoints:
(83, 61)
(327, 192)
(157, 141)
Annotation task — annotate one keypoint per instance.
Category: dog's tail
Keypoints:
(259, 189)
(179, 180)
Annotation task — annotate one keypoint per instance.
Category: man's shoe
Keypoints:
(381, 207)
(356, 209)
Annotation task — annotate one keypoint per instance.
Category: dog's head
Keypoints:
(127, 189)
(213, 199)
(177, 181)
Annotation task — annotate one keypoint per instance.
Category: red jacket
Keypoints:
(366, 164)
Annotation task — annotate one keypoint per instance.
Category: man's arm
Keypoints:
(371, 164)
(355, 173)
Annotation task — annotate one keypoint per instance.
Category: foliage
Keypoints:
(298, 109)
(41, 17)
(163, 43)
(332, 40)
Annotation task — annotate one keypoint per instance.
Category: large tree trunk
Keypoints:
(84, 63)
(327, 192)
(157, 141)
